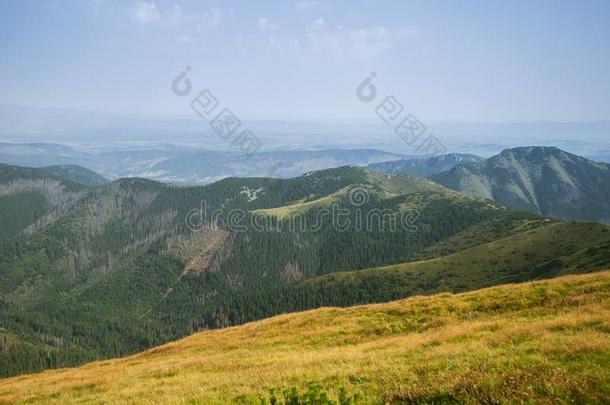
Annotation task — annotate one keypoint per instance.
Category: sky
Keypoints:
(303, 60)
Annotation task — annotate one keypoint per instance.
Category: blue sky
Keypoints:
(470, 60)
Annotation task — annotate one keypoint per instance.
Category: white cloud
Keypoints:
(101, 7)
(148, 13)
(368, 41)
(211, 18)
(185, 39)
(264, 24)
(145, 13)
(317, 26)
(305, 5)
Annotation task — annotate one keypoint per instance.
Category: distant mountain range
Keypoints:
(542, 180)
(205, 166)
(425, 167)
(186, 164)
(21, 124)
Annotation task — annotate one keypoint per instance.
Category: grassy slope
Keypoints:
(302, 206)
(542, 252)
(405, 184)
(485, 232)
(377, 184)
(546, 341)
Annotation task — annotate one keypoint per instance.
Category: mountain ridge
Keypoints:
(425, 166)
(77, 174)
(544, 180)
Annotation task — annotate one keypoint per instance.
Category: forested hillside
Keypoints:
(135, 263)
(32, 198)
(543, 251)
(76, 174)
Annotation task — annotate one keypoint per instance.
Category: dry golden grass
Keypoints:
(545, 342)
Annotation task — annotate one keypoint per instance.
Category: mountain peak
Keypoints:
(534, 152)
(540, 179)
